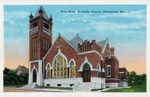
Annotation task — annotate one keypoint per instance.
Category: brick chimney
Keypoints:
(112, 51)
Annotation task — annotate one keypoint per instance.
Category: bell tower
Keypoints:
(40, 41)
(40, 34)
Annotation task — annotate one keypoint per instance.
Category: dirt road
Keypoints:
(9, 89)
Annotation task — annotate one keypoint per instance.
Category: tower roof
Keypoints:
(75, 41)
(44, 13)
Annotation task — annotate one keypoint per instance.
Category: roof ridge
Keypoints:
(101, 41)
(75, 41)
(76, 37)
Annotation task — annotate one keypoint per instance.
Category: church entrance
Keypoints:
(86, 73)
(34, 75)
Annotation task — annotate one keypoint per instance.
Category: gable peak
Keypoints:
(41, 10)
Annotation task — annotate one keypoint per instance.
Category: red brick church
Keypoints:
(75, 63)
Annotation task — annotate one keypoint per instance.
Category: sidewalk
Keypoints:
(113, 88)
(53, 90)
(13, 89)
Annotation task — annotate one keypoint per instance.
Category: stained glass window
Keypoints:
(72, 70)
(60, 68)
(48, 72)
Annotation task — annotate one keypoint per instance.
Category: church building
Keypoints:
(76, 63)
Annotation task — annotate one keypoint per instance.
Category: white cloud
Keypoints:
(117, 26)
(16, 14)
(12, 17)
(9, 21)
(98, 23)
(140, 14)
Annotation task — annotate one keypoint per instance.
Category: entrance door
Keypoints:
(86, 73)
(34, 75)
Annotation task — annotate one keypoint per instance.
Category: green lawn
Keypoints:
(137, 88)
(14, 85)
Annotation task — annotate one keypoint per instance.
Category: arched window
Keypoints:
(86, 73)
(98, 70)
(72, 69)
(48, 72)
(60, 68)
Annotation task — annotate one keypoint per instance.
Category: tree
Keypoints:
(134, 79)
(11, 77)
(23, 78)
(143, 78)
(6, 70)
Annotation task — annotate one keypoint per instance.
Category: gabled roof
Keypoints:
(75, 41)
(23, 69)
(69, 43)
(44, 13)
(102, 44)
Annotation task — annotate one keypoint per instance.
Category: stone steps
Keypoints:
(30, 86)
(83, 87)
(122, 84)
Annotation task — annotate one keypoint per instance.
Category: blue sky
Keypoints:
(125, 31)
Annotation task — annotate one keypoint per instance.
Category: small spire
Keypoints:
(59, 34)
(31, 16)
(106, 39)
(50, 18)
(41, 10)
(77, 35)
(40, 6)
